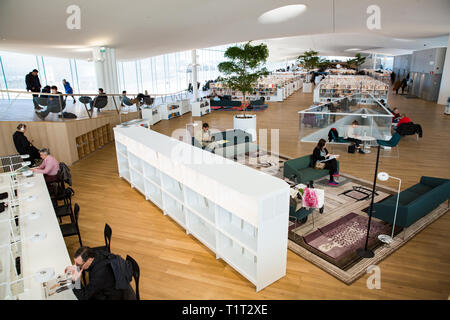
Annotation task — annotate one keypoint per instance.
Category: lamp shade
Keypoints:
(383, 176)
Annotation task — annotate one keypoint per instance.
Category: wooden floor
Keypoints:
(177, 266)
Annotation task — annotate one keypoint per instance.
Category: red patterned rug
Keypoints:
(344, 236)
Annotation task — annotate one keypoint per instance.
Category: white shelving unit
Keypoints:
(153, 114)
(185, 106)
(170, 110)
(200, 108)
(239, 213)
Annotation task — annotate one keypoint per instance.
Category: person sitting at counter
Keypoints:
(396, 115)
(403, 119)
(321, 153)
(204, 136)
(49, 166)
(102, 282)
(352, 136)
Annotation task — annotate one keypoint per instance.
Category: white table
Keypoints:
(365, 140)
(48, 253)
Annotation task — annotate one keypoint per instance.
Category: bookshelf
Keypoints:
(170, 110)
(201, 108)
(237, 212)
(338, 86)
(93, 140)
(152, 114)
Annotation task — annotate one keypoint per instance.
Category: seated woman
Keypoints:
(352, 136)
(321, 153)
(49, 166)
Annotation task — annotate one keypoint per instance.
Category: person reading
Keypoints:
(321, 154)
(204, 136)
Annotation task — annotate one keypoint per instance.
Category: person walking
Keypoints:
(33, 85)
(68, 89)
(403, 85)
(397, 86)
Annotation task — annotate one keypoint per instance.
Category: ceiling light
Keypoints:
(353, 49)
(282, 14)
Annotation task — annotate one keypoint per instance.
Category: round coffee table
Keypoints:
(365, 140)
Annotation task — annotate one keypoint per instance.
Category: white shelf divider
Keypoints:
(239, 213)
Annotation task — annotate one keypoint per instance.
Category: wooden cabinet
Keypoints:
(93, 140)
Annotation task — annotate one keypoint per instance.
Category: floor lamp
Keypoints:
(366, 252)
(383, 176)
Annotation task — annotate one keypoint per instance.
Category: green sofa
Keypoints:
(414, 202)
(300, 170)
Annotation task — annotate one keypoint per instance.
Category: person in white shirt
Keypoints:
(352, 136)
(204, 136)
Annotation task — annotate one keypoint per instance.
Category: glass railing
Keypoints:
(373, 120)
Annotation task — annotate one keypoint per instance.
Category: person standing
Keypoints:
(68, 89)
(23, 146)
(397, 86)
(403, 85)
(392, 77)
(33, 85)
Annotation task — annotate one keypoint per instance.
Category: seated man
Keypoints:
(102, 281)
(203, 136)
(23, 146)
(127, 101)
(101, 96)
(49, 166)
(55, 104)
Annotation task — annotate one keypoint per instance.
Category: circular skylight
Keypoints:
(282, 14)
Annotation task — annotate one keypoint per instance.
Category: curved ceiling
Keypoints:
(142, 28)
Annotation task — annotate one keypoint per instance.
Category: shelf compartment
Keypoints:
(201, 205)
(121, 148)
(237, 256)
(137, 180)
(174, 209)
(237, 228)
(172, 186)
(135, 162)
(153, 193)
(151, 173)
(202, 230)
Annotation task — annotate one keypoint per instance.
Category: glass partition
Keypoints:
(374, 121)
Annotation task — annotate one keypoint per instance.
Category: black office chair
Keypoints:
(136, 274)
(65, 209)
(72, 229)
(107, 233)
(86, 100)
(99, 102)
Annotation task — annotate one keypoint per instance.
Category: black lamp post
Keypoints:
(365, 252)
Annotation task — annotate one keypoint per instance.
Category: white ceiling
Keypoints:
(143, 28)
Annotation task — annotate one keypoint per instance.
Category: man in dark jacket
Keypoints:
(34, 85)
(23, 146)
(102, 282)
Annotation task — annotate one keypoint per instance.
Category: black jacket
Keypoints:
(102, 283)
(316, 156)
(33, 83)
(409, 128)
(21, 142)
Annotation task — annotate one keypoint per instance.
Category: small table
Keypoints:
(365, 140)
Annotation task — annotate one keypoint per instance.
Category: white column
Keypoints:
(444, 91)
(106, 72)
(194, 74)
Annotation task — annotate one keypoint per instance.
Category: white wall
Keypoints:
(444, 91)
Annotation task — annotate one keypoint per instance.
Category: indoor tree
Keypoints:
(245, 66)
(357, 61)
(309, 59)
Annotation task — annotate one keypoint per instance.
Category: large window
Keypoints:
(14, 67)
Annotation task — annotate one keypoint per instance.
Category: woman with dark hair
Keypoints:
(321, 153)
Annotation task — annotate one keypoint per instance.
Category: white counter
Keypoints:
(48, 253)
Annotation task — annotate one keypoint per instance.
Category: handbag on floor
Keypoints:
(351, 148)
